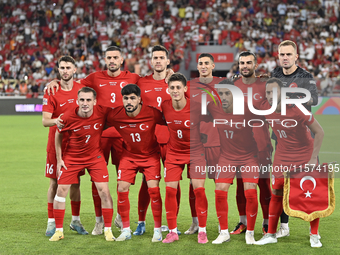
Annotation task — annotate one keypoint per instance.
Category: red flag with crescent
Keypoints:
(309, 194)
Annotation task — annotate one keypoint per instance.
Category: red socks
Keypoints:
(240, 198)
(107, 215)
(314, 226)
(59, 217)
(275, 210)
(75, 208)
(265, 194)
(221, 203)
(96, 201)
(171, 207)
(251, 208)
(192, 201)
(156, 206)
(143, 201)
(124, 208)
(201, 206)
(50, 210)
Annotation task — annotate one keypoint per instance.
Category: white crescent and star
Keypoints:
(308, 178)
(96, 128)
(167, 91)
(143, 128)
(255, 96)
(185, 123)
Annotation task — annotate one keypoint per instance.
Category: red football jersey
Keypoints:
(139, 132)
(153, 93)
(84, 135)
(184, 128)
(261, 134)
(294, 140)
(108, 90)
(195, 93)
(57, 104)
(236, 136)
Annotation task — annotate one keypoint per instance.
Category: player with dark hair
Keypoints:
(295, 147)
(293, 76)
(136, 123)
(54, 107)
(247, 62)
(154, 90)
(184, 148)
(108, 84)
(196, 88)
(84, 125)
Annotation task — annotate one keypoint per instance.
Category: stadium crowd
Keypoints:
(34, 34)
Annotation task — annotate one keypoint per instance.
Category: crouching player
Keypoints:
(184, 148)
(295, 147)
(238, 154)
(84, 124)
(136, 124)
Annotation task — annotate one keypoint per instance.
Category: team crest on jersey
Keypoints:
(71, 101)
(143, 126)
(187, 123)
(178, 122)
(44, 101)
(96, 126)
(123, 83)
(293, 85)
(87, 127)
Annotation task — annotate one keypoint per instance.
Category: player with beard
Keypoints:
(295, 147)
(136, 123)
(238, 155)
(293, 76)
(196, 87)
(84, 125)
(54, 107)
(248, 64)
(154, 90)
(107, 84)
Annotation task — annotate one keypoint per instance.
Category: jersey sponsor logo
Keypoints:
(75, 130)
(121, 127)
(70, 101)
(44, 101)
(168, 122)
(113, 83)
(95, 127)
(178, 122)
(132, 125)
(195, 95)
(87, 127)
(61, 105)
(158, 89)
(102, 85)
(146, 91)
(143, 126)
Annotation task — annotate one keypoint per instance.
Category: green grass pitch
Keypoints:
(23, 208)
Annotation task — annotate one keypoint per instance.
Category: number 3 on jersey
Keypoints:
(113, 99)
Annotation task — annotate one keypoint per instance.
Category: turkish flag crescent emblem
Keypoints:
(309, 194)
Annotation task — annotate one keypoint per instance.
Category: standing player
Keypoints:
(295, 147)
(184, 148)
(84, 125)
(293, 76)
(53, 107)
(248, 64)
(238, 154)
(108, 84)
(136, 123)
(154, 90)
(206, 81)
